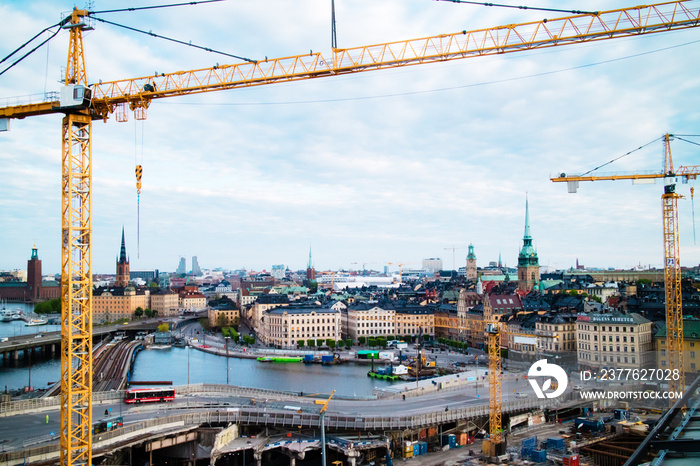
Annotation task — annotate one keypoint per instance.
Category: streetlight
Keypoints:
(323, 426)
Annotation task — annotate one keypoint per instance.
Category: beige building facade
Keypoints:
(118, 303)
(369, 321)
(614, 341)
(285, 327)
(165, 302)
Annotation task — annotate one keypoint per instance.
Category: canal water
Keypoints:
(183, 365)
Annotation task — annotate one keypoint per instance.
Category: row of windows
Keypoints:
(620, 359)
(586, 346)
(585, 336)
(610, 329)
(692, 353)
(312, 321)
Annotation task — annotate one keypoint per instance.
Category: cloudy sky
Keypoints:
(385, 166)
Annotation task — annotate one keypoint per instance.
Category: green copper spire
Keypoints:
(528, 254)
(527, 219)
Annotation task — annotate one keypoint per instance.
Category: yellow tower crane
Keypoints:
(672, 255)
(82, 102)
(494, 330)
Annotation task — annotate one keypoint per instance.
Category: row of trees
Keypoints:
(329, 343)
(453, 343)
(140, 312)
(52, 306)
(230, 332)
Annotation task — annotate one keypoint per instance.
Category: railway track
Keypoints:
(111, 362)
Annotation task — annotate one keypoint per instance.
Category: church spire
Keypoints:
(122, 253)
(527, 219)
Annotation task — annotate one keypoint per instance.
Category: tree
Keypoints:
(164, 327)
(340, 343)
(361, 340)
(52, 306)
(348, 343)
(148, 312)
(138, 312)
(204, 322)
(153, 285)
(311, 343)
(330, 343)
(222, 320)
(382, 342)
(313, 286)
(426, 337)
(372, 341)
(300, 343)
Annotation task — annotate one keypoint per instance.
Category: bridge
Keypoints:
(152, 427)
(50, 341)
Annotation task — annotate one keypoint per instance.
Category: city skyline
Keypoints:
(387, 166)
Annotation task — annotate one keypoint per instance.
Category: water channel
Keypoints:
(188, 365)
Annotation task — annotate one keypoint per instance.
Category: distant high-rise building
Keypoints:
(434, 264)
(195, 267)
(471, 263)
(122, 278)
(278, 271)
(310, 271)
(182, 266)
(528, 262)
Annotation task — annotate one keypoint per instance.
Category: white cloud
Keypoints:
(391, 165)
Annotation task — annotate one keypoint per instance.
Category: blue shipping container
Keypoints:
(556, 443)
(530, 443)
(416, 449)
(326, 358)
(538, 456)
(308, 358)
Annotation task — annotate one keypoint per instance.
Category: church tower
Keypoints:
(471, 263)
(122, 266)
(528, 263)
(310, 271)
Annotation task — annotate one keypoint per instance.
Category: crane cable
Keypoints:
(139, 172)
(60, 23)
(154, 7)
(692, 207)
(621, 156)
(521, 7)
(190, 44)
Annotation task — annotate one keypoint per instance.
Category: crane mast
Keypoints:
(672, 272)
(93, 101)
(76, 263)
